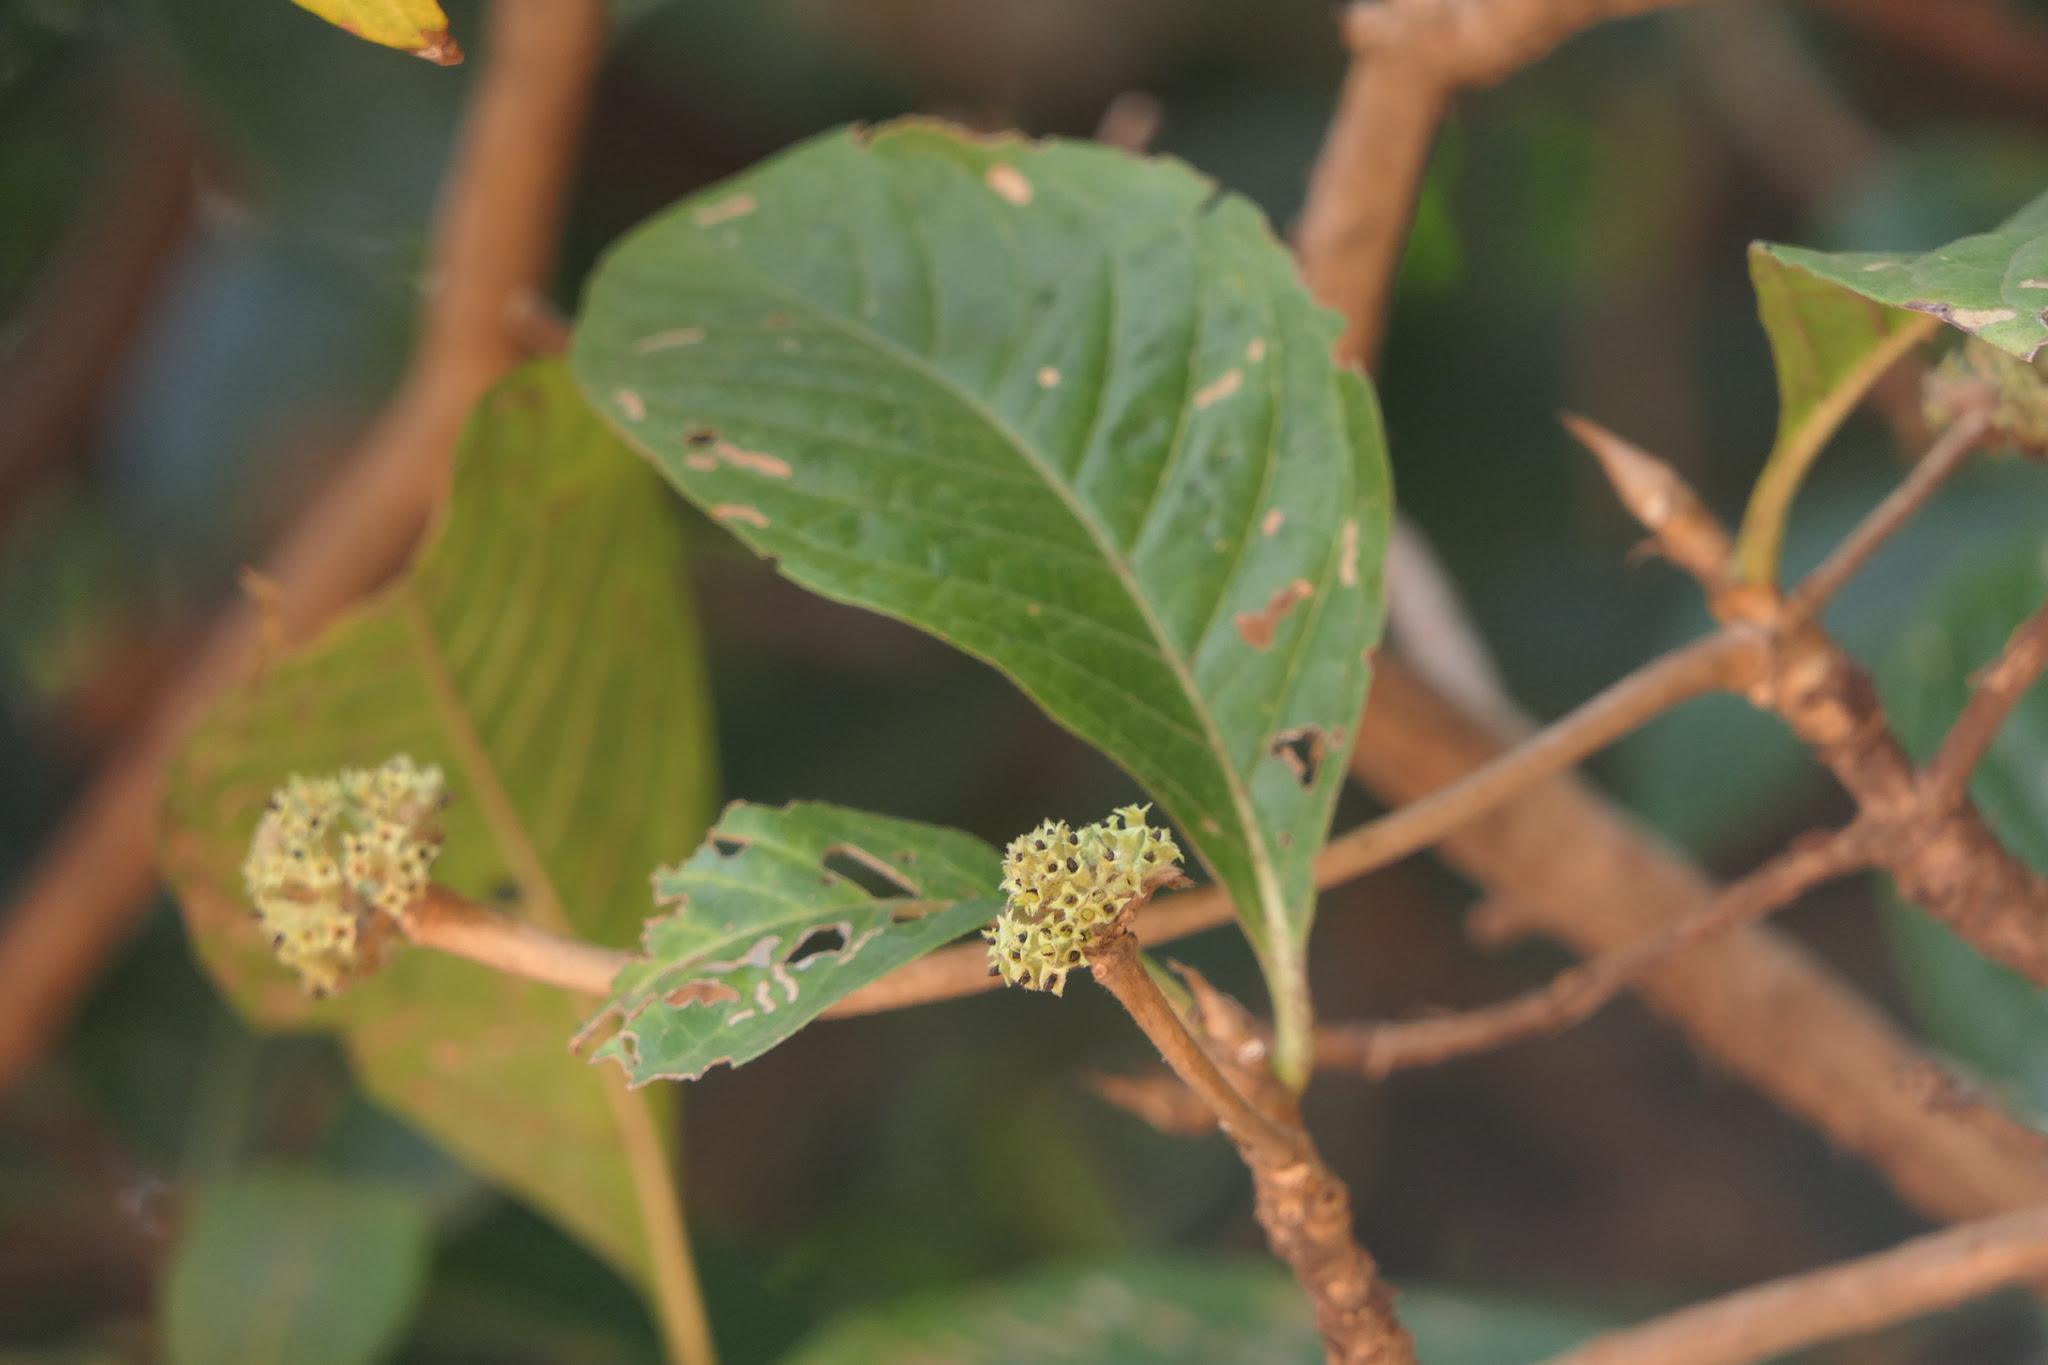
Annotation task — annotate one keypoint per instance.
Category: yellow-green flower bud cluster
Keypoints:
(1065, 887)
(331, 853)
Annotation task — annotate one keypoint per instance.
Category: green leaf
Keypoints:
(542, 651)
(1830, 344)
(415, 26)
(782, 912)
(1173, 1309)
(1986, 1014)
(1993, 285)
(293, 1267)
(1068, 410)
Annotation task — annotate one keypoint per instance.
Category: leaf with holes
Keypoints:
(781, 913)
(1064, 408)
(543, 652)
(1993, 285)
(1830, 345)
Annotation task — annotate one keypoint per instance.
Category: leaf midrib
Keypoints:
(1272, 906)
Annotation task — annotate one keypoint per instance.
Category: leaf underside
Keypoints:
(1829, 345)
(543, 652)
(1068, 410)
(1993, 285)
(782, 912)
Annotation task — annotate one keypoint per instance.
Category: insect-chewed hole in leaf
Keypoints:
(828, 938)
(871, 874)
(728, 846)
(1302, 750)
(699, 437)
(702, 991)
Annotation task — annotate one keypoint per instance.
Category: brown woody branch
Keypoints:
(1581, 870)
(494, 243)
(1409, 59)
(1948, 863)
(1922, 1276)
(1998, 689)
(1378, 1050)
(1302, 1205)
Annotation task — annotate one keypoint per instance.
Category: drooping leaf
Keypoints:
(1173, 1309)
(294, 1267)
(781, 913)
(1829, 344)
(1068, 410)
(1986, 1014)
(415, 26)
(1993, 285)
(543, 651)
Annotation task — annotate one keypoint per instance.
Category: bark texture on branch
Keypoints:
(1302, 1205)
(1946, 861)
(1579, 869)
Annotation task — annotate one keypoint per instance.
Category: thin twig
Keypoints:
(1303, 1207)
(494, 242)
(452, 923)
(1922, 1276)
(2000, 686)
(1846, 560)
(1721, 661)
(1379, 1050)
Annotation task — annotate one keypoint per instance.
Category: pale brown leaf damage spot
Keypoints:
(1009, 183)
(702, 991)
(1275, 519)
(1347, 554)
(1255, 351)
(1220, 388)
(703, 464)
(1048, 378)
(662, 341)
(726, 210)
(774, 466)
(1257, 628)
(1969, 319)
(630, 404)
(739, 511)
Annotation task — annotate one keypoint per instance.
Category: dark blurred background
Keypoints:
(240, 196)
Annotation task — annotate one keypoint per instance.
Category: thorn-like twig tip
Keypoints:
(1688, 534)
